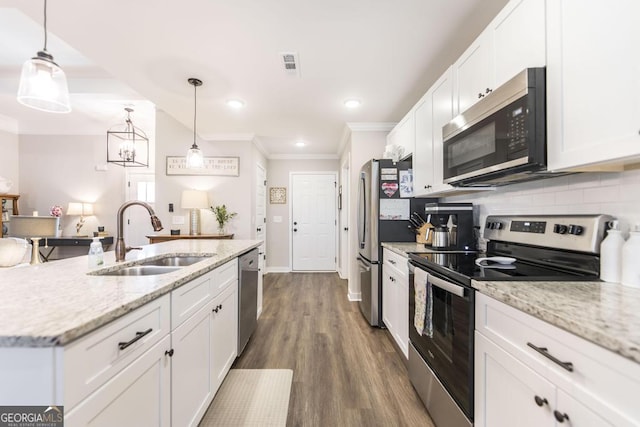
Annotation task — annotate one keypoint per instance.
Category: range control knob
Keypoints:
(575, 229)
(559, 228)
(499, 226)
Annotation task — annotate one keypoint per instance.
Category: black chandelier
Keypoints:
(127, 145)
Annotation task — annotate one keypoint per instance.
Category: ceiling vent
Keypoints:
(291, 63)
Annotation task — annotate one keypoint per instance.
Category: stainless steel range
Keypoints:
(532, 247)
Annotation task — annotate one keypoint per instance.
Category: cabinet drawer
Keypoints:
(396, 261)
(190, 297)
(90, 361)
(224, 276)
(599, 377)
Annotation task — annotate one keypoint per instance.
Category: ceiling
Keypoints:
(140, 53)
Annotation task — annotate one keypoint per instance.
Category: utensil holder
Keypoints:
(425, 234)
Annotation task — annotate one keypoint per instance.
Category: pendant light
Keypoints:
(127, 145)
(43, 85)
(195, 159)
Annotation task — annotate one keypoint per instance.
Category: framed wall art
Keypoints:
(223, 166)
(278, 195)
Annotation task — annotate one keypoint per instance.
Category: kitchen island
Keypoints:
(98, 343)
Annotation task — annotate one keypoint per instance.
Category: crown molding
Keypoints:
(303, 157)
(371, 126)
(260, 147)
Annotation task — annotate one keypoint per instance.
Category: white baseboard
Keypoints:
(354, 296)
(277, 270)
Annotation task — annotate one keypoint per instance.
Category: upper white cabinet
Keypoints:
(593, 83)
(513, 41)
(423, 161)
(403, 134)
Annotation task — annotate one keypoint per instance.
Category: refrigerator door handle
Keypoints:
(362, 211)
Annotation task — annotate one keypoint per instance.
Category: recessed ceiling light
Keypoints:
(235, 103)
(352, 103)
(300, 144)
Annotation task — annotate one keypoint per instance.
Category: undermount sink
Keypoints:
(176, 260)
(140, 270)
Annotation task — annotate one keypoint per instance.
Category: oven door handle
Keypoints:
(447, 286)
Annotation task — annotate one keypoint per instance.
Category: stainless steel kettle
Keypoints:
(440, 237)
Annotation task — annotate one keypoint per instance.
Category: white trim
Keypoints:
(354, 296)
(344, 139)
(269, 270)
(8, 124)
(303, 157)
(228, 136)
(371, 127)
(261, 148)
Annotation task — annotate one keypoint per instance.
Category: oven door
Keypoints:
(449, 351)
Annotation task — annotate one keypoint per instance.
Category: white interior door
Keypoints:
(313, 221)
(140, 186)
(261, 226)
(343, 198)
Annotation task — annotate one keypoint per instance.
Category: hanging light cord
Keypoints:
(45, 25)
(195, 112)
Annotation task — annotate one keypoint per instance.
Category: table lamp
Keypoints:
(194, 200)
(82, 209)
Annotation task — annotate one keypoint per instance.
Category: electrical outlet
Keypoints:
(177, 220)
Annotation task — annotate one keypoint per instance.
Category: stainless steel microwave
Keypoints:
(502, 138)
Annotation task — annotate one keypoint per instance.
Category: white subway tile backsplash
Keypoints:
(613, 193)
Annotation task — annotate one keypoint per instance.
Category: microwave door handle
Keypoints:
(447, 286)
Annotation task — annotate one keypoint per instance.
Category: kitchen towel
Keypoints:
(423, 317)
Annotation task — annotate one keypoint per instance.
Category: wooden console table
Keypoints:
(48, 244)
(157, 238)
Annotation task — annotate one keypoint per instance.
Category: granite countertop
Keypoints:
(604, 313)
(53, 303)
(405, 248)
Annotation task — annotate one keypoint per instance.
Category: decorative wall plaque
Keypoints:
(225, 166)
(278, 195)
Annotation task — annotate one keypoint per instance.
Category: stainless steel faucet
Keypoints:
(121, 248)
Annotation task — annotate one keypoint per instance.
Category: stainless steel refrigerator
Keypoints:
(384, 206)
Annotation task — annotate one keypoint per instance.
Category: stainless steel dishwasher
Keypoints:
(247, 297)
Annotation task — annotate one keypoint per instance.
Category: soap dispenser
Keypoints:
(630, 264)
(611, 254)
(96, 253)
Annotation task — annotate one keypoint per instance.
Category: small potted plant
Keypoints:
(223, 216)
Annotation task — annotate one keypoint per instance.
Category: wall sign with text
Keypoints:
(225, 166)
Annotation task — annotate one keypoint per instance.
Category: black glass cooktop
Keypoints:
(462, 268)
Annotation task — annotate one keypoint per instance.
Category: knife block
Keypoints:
(421, 236)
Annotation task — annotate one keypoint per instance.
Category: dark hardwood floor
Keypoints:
(345, 373)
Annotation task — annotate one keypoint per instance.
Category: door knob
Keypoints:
(258, 229)
(346, 229)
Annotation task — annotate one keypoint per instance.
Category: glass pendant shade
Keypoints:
(43, 85)
(195, 159)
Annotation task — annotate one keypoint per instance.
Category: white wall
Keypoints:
(237, 193)
(56, 170)
(363, 147)
(613, 193)
(278, 234)
(9, 158)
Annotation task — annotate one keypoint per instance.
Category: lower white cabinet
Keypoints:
(395, 298)
(224, 334)
(137, 396)
(531, 373)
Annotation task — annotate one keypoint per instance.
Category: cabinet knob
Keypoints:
(489, 90)
(481, 95)
(169, 353)
(295, 229)
(541, 401)
(560, 417)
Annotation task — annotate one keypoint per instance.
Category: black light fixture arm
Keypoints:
(195, 82)
(45, 25)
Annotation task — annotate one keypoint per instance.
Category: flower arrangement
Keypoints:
(223, 216)
(56, 210)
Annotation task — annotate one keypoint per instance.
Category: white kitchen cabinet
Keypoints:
(513, 41)
(423, 157)
(224, 338)
(585, 382)
(404, 134)
(593, 89)
(395, 298)
(137, 396)
(191, 386)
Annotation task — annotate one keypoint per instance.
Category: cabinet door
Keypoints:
(388, 307)
(506, 390)
(423, 152)
(580, 415)
(518, 34)
(593, 87)
(191, 382)
(442, 100)
(472, 72)
(224, 334)
(402, 318)
(136, 397)
(404, 134)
